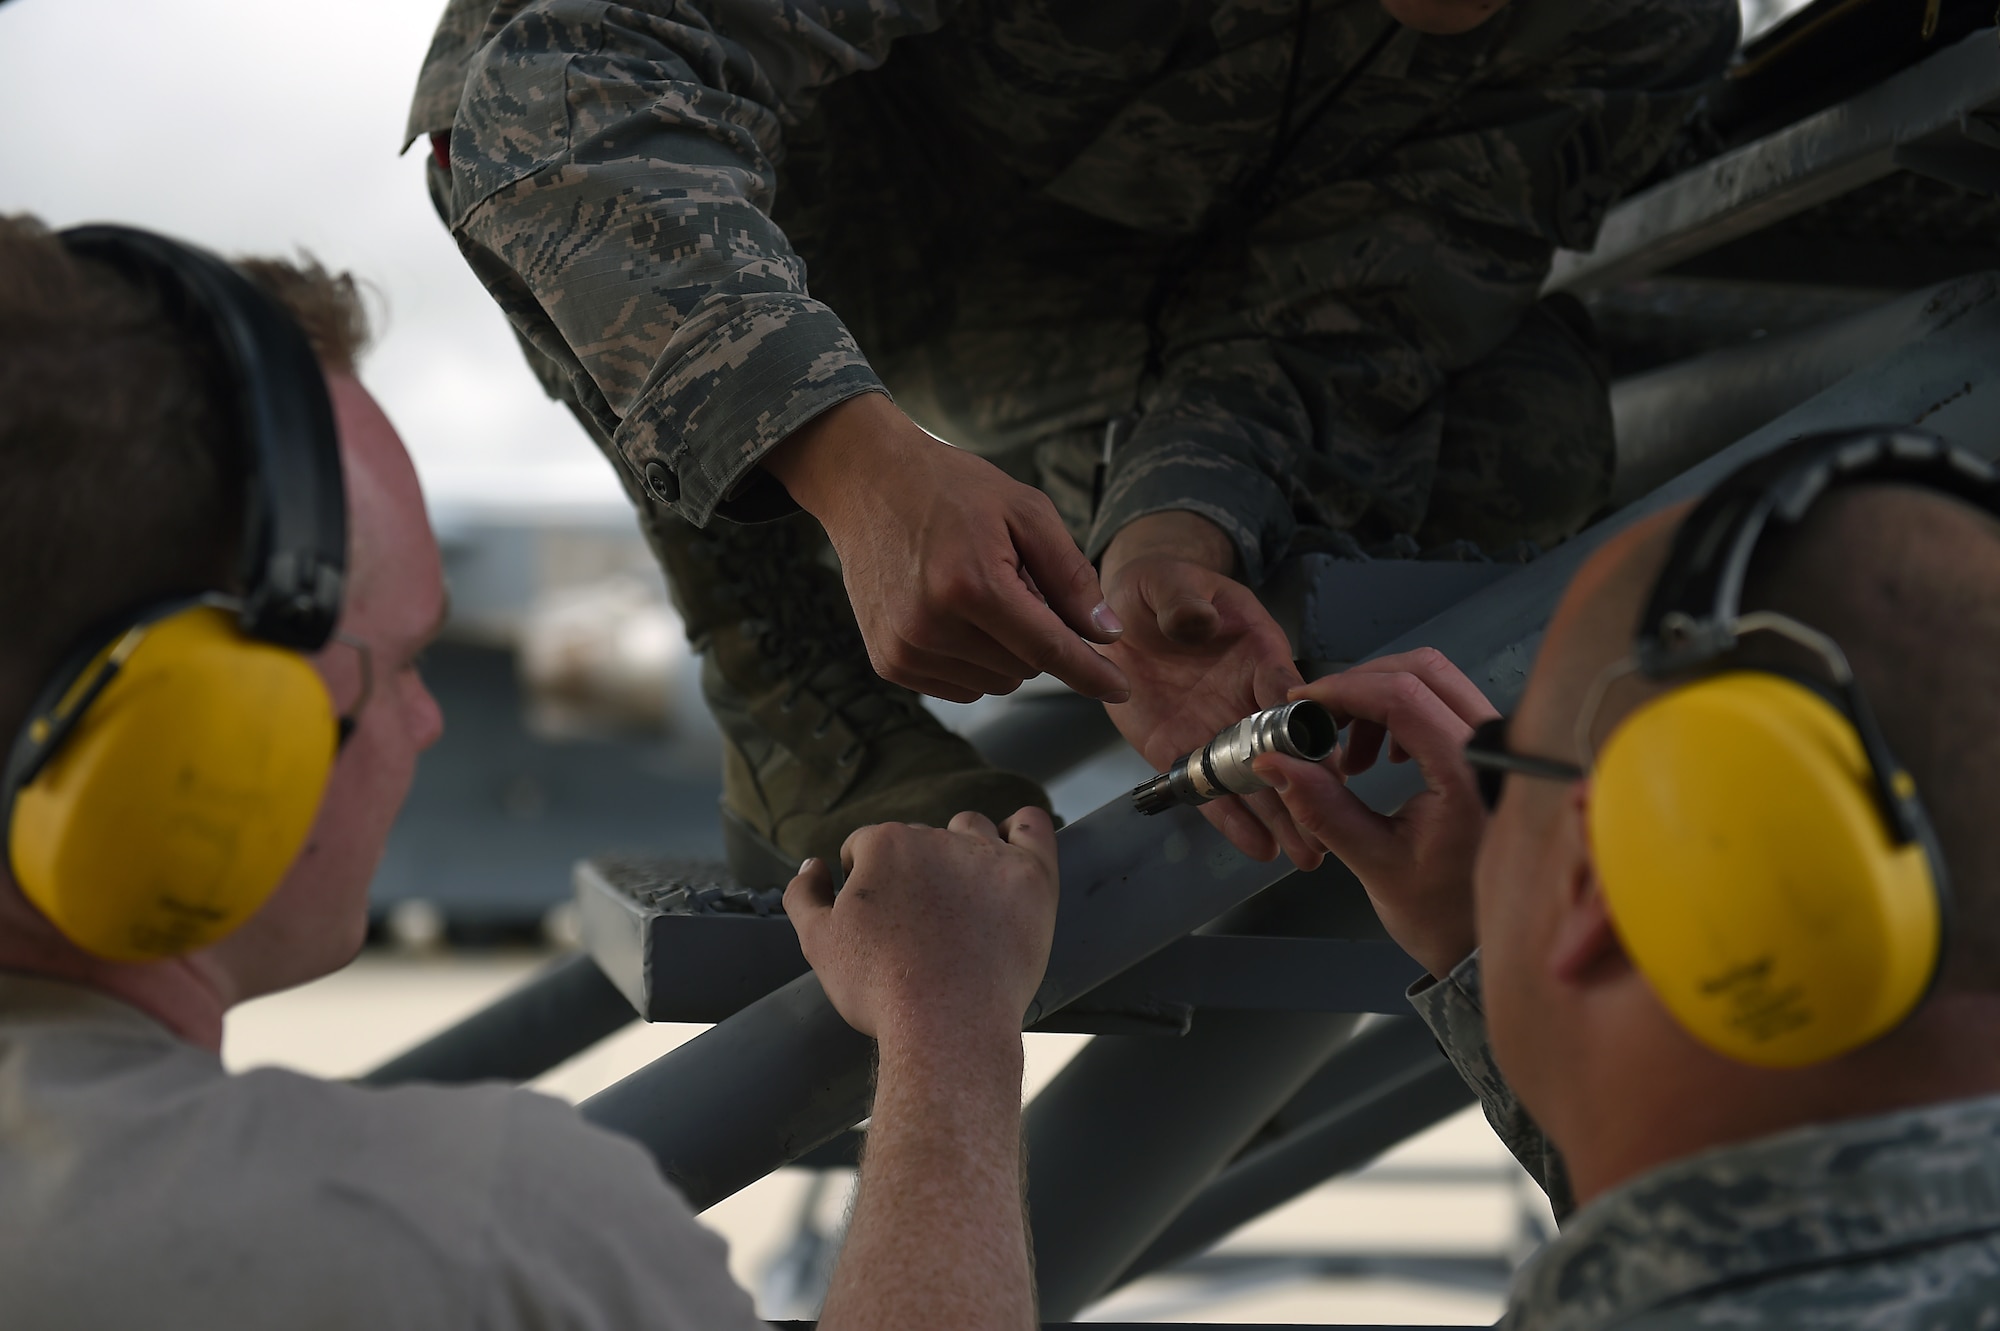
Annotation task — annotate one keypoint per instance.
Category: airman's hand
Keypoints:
(940, 935)
(963, 580)
(1202, 653)
(1416, 863)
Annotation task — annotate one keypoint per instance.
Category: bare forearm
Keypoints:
(938, 1238)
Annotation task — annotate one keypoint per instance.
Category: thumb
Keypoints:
(1064, 577)
(1031, 829)
(809, 899)
(1328, 811)
(1274, 681)
(1181, 597)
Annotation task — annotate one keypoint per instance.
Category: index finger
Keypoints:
(1428, 729)
(809, 899)
(972, 823)
(1434, 668)
(1030, 630)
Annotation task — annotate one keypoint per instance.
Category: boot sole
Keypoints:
(754, 859)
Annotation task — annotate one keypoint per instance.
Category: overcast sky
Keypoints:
(260, 127)
(257, 126)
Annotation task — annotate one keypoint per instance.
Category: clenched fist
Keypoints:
(940, 934)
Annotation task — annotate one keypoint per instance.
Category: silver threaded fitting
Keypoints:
(1301, 729)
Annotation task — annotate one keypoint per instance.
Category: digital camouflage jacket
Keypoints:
(1028, 218)
(1884, 1222)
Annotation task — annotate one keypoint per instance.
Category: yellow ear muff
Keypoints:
(1751, 875)
(183, 795)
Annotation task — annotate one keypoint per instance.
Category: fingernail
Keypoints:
(806, 864)
(1106, 618)
(1122, 695)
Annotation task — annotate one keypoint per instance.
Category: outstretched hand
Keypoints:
(940, 934)
(1416, 863)
(1202, 653)
(963, 580)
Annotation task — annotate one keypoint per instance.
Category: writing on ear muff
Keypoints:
(170, 771)
(1766, 861)
(1751, 875)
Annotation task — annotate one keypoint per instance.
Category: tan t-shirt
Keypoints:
(141, 1185)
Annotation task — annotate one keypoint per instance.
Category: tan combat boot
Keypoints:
(817, 744)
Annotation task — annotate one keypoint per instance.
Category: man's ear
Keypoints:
(1585, 948)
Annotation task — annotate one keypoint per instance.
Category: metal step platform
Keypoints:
(684, 943)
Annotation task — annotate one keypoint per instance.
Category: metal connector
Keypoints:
(1302, 729)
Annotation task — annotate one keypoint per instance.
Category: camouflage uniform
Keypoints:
(1890, 1221)
(1029, 218)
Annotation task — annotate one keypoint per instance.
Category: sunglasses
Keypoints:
(1492, 760)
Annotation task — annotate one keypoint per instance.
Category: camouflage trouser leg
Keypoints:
(1527, 450)
(816, 744)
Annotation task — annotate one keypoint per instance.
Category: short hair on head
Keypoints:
(1907, 580)
(124, 480)
(326, 305)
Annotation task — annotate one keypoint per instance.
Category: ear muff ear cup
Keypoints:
(183, 795)
(1751, 875)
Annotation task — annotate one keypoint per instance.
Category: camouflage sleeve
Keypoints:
(1451, 1008)
(1567, 127)
(613, 168)
(1224, 437)
(1304, 384)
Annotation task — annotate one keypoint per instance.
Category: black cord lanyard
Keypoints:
(1236, 208)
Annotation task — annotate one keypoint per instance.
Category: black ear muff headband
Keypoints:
(1690, 618)
(295, 532)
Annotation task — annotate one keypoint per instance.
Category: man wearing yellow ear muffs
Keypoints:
(216, 574)
(1711, 921)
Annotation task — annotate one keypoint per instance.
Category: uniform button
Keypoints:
(661, 482)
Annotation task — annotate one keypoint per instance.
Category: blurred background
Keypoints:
(574, 720)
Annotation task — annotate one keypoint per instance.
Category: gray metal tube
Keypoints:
(785, 1074)
(1808, 162)
(559, 1012)
(747, 1095)
(1134, 1126)
(1396, 1085)
(1942, 379)
(1671, 418)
